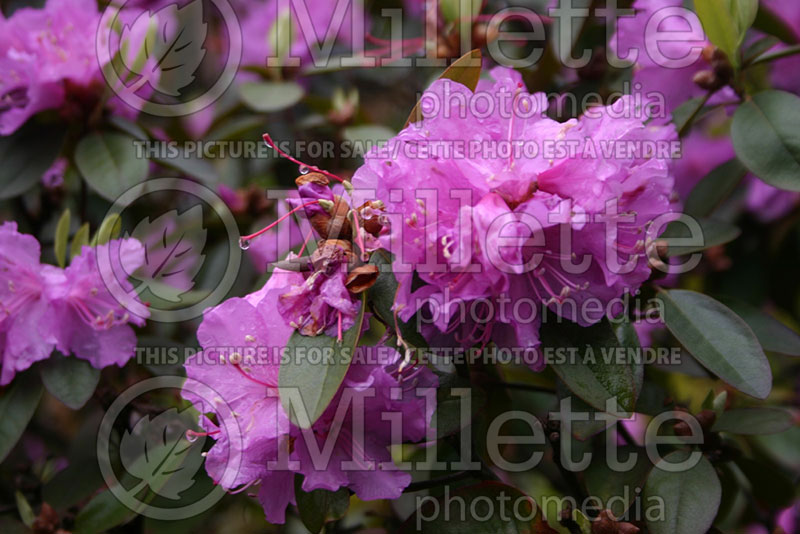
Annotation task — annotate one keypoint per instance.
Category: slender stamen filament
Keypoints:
(268, 140)
(281, 219)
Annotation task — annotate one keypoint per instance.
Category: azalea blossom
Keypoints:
(242, 340)
(449, 214)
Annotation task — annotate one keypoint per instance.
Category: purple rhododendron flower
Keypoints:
(450, 207)
(25, 337)
(87, 319)
(241, 340)
(660, 64)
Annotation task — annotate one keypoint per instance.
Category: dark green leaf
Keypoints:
(604, 482)
(101, 514)
(773, 335)
(712, 233)
(719, 339)
(26, 155)
(691, 498)
(466, 70)
(714, 188)
(69, 379)
(17, 406)
(317, 383)
(767, 140)
(594, 376)
(449, 405)
(110, 163)
(320, 506)
(754, 421)
(770, 23)
(266, 97)
(769, 484)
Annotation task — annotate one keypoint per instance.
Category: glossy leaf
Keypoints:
(69, 379)
(317, 383)
(110, 163)
(719, 339)
(606, 483)
(754, 421)
(266, 97)
(714, 188)
(766, 138)
(320, 506)
(712, 233)
(594, 377)
(773, 335)
(691, 498)
(17, 406)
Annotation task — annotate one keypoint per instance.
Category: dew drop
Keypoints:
(244, 244)
(304, 169)
(191, 437)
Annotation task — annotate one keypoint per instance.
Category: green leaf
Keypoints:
(498, 509)
(767, 140)
(280, 35)
(451, 9)
(61, 238)
(109, 229)
(448, 418)
(604, 482)
(769, 484)
(773, 335)
(17, 406)
(110, 164)
(69, 379)
(102, 513)
(712, 233)
(754, 421)
(720, 25)
(691, 498)
(744, 13)
(128, 127)
(466, 70)
(24, 509)
(719, 339)
(317, 383)
(79, 240)
(594, 376)
(26, 155)
(190, 165)
(266, 97)
(320, 506)
(368, 135)
(714, 188)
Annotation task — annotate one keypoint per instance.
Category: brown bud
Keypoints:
(371, 225)
(312, 178)
(706, 418)
(708, 80)
(627, 528)
(605, 523)
(331, 253)
(708, 53)
(47, 521)
(483, 34)
(361, 278)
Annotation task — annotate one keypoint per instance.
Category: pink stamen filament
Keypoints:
(281, 219)
(268, 140)
(339, 328)
(202, 434)
(305, 242)
(253, 379)
(359, 237)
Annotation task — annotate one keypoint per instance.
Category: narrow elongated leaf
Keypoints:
(773, 335)
(767, 140)
(266, 97)
(110, 163)
(770, 23)
(691, 498)
(69, 379)
(719, 339)
(713, 233)
(79, 240)
(109, 229)
(17, 406)
(754, 421)
(26, 155)
(720, 25)
(466, 70)
(714, 188)
(317, 382)
(593, 371)
(61, 239)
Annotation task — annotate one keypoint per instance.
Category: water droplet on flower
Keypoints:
(244, 244)
(191, 437)
(304, 169)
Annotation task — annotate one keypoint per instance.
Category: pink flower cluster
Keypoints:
(270, 450)
(43, 307)
(48, 60)
(480, 227)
